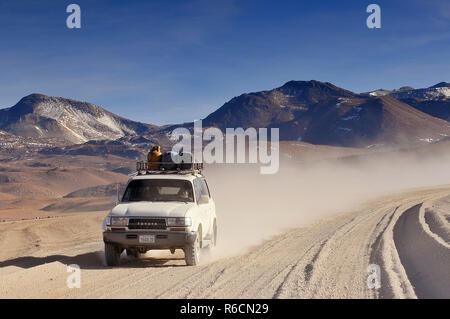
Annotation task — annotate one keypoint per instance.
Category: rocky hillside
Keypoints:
(67, 120)
(321, 113)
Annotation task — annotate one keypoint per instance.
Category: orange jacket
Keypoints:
(154, 155)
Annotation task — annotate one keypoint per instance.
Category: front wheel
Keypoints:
(112, 254)
(133, 253)
(192, 252)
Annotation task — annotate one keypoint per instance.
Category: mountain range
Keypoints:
(310, 111)
(433, 100)
(322, 113)
(42, 116)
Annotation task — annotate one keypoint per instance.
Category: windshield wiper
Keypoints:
(174, 200)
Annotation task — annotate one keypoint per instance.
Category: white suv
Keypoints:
(162, 210)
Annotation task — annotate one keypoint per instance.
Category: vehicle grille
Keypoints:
(147, 223)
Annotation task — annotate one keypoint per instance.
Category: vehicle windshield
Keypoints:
(158, 190)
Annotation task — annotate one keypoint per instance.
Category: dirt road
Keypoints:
(328, 259)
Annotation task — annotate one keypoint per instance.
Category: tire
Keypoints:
(132, 253)
(112, 254)
(192, 252)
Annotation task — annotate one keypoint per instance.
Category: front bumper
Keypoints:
(163, 239)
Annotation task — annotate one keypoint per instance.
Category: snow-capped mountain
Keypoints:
(383, 92)
(440, 91)
(42, 116)
(434, 100)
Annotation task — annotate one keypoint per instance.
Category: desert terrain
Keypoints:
(322, 130)
(310, 231)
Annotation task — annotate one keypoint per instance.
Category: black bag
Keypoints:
(167, 161)
(184, 160)
(173, 160)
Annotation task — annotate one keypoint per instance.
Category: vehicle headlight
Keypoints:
(179, 221)
(106, 222)
(119, 221)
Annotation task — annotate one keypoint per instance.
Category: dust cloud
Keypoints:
(252, 207)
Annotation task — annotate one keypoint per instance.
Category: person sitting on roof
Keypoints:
(154, 155)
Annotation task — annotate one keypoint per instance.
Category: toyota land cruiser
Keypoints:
(162, 210)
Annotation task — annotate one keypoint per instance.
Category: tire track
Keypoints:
(328, 259)
(426, 262)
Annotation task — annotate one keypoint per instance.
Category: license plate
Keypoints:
(147, 239)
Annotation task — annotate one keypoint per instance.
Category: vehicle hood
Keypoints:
(157, 209)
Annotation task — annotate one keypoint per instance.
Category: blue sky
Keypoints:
(173, 61)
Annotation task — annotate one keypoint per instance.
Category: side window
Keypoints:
(197, 188)
(205, 188)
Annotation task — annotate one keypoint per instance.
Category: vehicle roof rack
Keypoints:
(146, 168)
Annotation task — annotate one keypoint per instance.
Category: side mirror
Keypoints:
(204, 199)
(114, 200)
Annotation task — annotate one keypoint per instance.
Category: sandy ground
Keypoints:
(405, 234)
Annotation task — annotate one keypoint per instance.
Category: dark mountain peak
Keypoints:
(309, 84)
(34, 97)
(441, 85)
(323, 113)
(27, 103)
(312, 88)
(301, 84)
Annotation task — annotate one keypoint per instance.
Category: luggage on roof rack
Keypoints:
(172, 163)
(144, 167)
(169, 160)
